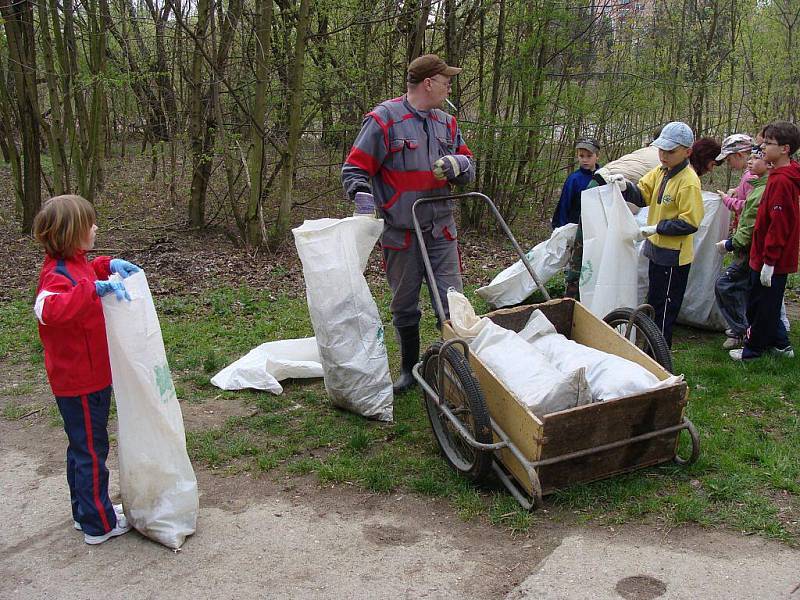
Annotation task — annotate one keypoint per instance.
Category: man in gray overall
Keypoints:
(408, 149)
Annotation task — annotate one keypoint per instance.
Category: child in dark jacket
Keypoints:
(568, 209)
(774, 248)
(73, 334)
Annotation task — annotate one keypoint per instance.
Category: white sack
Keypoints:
(465, 323)
(158, 485)
(348, 328)
(527, 373)
(265, 365)
(699, 306)
(609, 376)
(514, 284)
(608, 272)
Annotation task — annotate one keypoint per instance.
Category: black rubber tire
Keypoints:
(463, 394)
(648, 336)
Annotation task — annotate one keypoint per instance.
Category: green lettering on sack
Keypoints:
(164, 382)
(586, 272)
(380, 335)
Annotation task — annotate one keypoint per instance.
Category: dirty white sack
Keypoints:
(265, 365)
(156, 479)
(514, 284)
(609, 376)
(608, 271)
(527, 373)
(346, 322)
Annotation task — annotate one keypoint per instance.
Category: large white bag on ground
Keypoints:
(265, 365)
(608, 272)
(346, 322)
(514, 284)
(527, 373)
(609, 376)
(699, 306)
(156, 479)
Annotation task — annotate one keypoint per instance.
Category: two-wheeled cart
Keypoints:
(483, 430)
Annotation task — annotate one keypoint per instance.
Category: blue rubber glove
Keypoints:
(451, 166)
(123, 268)
(106, 287)
(365, 204)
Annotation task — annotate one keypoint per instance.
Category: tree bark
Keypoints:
(18, 21)
(282, 221)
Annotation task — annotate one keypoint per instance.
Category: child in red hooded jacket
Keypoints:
(774, 247)
(73, 334)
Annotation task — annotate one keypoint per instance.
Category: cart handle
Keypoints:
(437, 299)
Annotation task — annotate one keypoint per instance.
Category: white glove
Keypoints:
(618, 180)
(646, 231)
(766, 275)
(721, 247)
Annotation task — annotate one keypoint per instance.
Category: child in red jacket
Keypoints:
(73, 334)
(774, 247)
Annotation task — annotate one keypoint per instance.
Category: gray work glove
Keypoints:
(365, 204)
(451, 166)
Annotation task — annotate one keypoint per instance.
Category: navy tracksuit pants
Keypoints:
(764, 315)
(85, 422)
(665, 292)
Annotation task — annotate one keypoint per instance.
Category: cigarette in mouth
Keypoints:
(453, 106)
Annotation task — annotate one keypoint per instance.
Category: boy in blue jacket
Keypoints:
(568, 209)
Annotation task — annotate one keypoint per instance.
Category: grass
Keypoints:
(747, 477)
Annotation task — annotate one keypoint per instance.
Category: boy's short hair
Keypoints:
(784, 132)
(62, 224)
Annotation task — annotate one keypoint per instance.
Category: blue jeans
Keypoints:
(86, 422)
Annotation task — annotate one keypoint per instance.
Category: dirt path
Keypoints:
(290, 538)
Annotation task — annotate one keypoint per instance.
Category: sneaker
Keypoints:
(99, 539)
(732, 342)
(738, 355)
(121, 518)
(731, 333)
(787, 352)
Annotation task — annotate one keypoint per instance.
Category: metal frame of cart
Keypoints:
(482, 429)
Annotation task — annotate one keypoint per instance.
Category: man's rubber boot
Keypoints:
(409, 353)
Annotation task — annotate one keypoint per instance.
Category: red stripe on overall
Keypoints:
(87, 422)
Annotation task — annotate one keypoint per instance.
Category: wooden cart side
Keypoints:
(602, 423)
(523, 428)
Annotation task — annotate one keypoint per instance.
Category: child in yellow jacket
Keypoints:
(672, 191)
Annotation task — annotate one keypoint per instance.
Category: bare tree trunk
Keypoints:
(200, 162)
(282, 222)
(254, 225)
(18, 21)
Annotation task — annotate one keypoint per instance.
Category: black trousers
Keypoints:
(665, 293)
(764, 315)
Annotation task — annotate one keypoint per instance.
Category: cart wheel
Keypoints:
(644, 333)
(463, 397)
